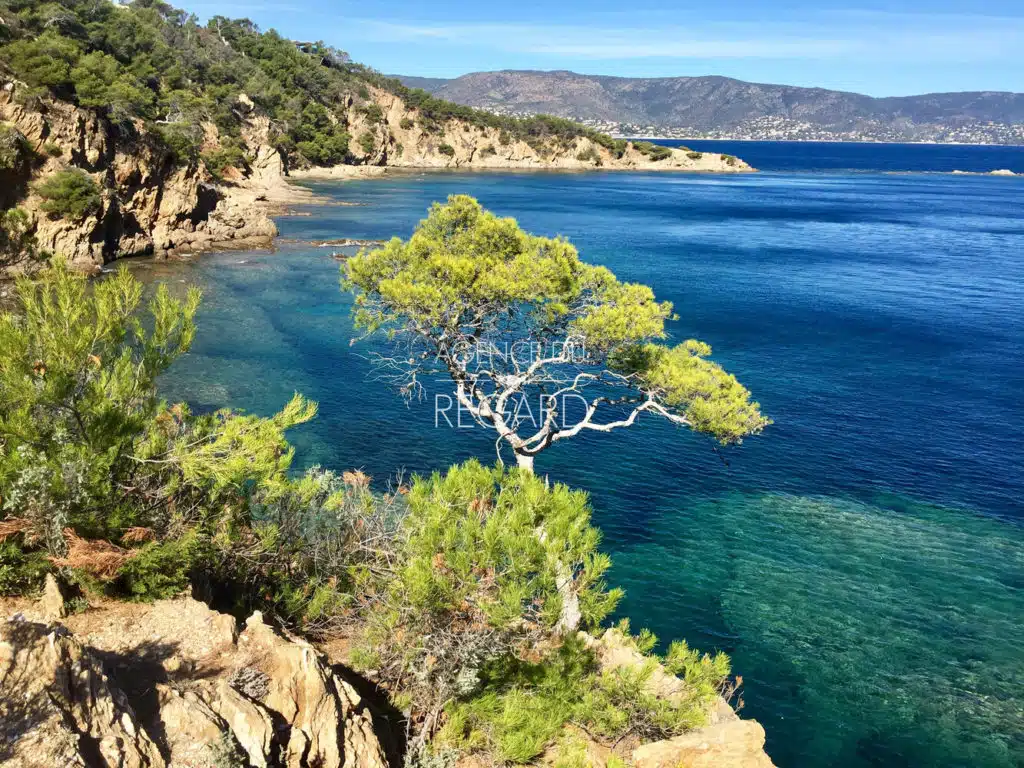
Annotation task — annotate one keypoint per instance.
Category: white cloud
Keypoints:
(845, 35)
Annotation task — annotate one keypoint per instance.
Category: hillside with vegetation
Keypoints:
(131, 129)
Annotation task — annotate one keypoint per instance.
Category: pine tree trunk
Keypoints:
(525, 462)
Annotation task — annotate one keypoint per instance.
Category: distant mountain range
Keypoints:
(721, 107)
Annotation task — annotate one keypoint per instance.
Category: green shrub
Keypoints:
(407, 123)
(571, 752)
(89, 447)
(101, 82)
(325, 148)
(44, 61)
(729, 159)
(52, 150)
(22, 570)
(523, 707)
(654, 151)
(446, 149)
(482, 555)
(516, 726)
(160, 570)
(589, 155)
(230, 154)
(69, 194)
(373, 112)
(76, 389)
(367, 143)
(183, 140)
(318, 138)
(695, 155)
(15, 152)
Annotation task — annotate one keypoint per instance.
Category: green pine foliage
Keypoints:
(102, 82)
(483, 560)
(89, 453)
(183, 141)
(467, 277)
(77, 385)
(160, 570)
(147, 60)
(69, 194)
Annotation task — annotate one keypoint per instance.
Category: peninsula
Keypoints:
(182, 137)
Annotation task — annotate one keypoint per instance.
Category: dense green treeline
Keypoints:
(147, 60)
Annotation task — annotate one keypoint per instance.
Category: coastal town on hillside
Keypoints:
(775, 128)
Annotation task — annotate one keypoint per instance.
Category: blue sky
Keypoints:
(874, 47)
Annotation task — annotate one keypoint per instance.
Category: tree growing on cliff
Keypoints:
(69, 194)
(527, 332)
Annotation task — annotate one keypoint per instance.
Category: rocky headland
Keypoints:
(175, 683)
(151, 204)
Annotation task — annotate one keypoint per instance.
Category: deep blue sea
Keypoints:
(863, 560)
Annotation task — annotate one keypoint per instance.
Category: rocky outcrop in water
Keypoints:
(401, 141)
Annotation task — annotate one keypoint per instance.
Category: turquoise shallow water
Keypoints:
(863, 561)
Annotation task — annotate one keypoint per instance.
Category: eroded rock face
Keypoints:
(57, 707)
(173, 684)
(328, 725)
(731, 743)
(149, 204)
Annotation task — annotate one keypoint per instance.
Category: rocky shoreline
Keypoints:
(152, 206)
(175, 683)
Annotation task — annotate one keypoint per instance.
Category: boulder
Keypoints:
(328, 724)
(51, 604)
(731, 743)
(57, 707)
(185, 689)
